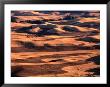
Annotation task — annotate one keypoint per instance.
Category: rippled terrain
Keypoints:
(55, 43)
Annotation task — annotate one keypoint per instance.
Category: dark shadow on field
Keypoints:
(53, 64)
(95, 59)
(89, 25)
(16, 69)
(96, 71)
(25, 30)
(41, 32)
(51, 69)
(28, 60)
(28, 45)
(62, 55)
(35, 21)
(89, 39)
(31, 47)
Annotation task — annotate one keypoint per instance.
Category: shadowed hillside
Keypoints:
(55, 43)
